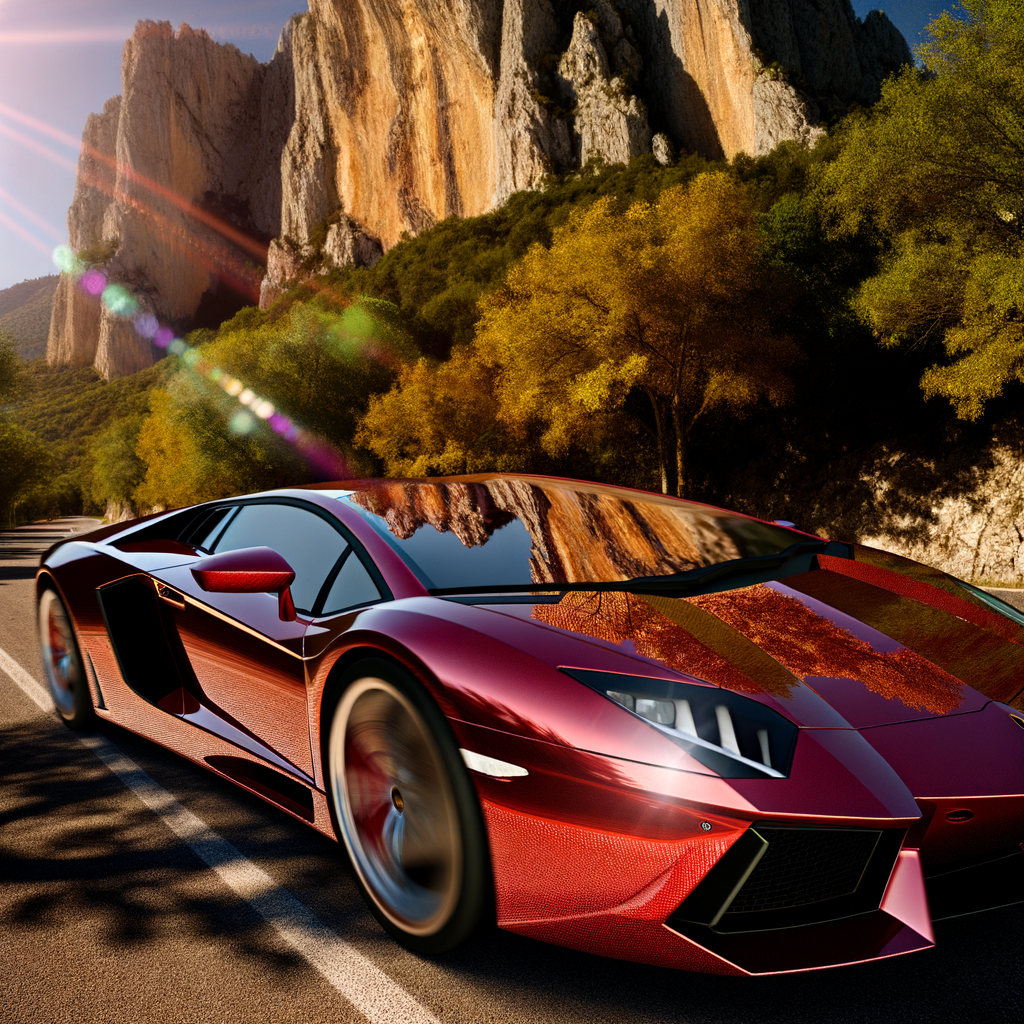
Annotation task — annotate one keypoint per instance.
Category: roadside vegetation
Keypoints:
(713, 330)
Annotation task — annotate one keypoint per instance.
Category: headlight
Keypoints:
(734, 736)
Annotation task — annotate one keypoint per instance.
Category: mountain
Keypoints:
(377, 118)
(25, 314)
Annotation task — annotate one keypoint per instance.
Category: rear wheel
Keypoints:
(63, 663)
(406, 810)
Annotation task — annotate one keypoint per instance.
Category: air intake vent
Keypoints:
(783, 876)
(803, 866)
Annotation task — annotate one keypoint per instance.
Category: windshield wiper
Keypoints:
(753, 569)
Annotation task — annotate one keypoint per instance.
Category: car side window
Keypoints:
(204, 534)
(309, 544)
(351, 587)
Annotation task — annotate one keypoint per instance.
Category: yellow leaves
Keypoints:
(436, 419)
(598, 389)
(989, 337)
(179, 473)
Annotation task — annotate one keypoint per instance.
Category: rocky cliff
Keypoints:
(381, 117)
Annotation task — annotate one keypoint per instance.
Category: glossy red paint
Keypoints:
(889, 672)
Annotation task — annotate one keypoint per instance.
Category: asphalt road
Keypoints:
(178, 898)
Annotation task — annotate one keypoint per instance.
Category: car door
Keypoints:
(246, 659)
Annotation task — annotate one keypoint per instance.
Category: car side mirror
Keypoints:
(258, 570)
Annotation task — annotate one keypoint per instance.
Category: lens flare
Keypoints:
(38, 147)
(25, 236)
(118, 299)
(242, 422)
(33, 218)
(318, 454)
(147, 326)
(189, 238)
(93, 282)
(67, 262)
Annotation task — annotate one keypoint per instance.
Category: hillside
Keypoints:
(25, 314)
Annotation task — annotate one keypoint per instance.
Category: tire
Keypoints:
(406, 811)
(62, 662)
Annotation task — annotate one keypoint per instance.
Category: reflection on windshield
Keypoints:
(508, 531)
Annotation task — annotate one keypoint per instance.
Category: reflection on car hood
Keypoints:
(849, 631)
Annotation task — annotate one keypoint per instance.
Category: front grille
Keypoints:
(803, 866)
(778, 876)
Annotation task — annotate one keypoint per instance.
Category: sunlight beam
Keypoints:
(25, 236)
(29, 215)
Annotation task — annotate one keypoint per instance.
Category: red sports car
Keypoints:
(608, 719)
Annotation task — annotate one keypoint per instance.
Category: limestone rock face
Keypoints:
(703, 58)
(976, 535)
(75, 318)
(529, 139)
(608, 122)
(289, 262)
(780, 112)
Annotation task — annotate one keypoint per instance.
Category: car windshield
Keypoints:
(514, 532)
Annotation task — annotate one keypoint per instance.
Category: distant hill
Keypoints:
(25, 314)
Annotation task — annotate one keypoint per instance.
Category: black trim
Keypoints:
(740, 572)
(148, 649)
(705, 912)
(717, 889)
(973, 886)
(321, 597)
(286, 792)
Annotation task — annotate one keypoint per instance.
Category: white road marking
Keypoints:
(355, 977)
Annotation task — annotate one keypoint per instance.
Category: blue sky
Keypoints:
(61, 59)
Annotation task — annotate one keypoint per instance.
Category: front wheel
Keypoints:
(62, 663)
(406, 810)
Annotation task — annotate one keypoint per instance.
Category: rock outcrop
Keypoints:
(178, 189)
(978, 534)
(377, 118)
(609, 122)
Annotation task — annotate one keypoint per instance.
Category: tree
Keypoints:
(117, 469)
(26, 464)
(937, 169)
(437, 420)
(11, 373)
(670, 297)
(316, 365)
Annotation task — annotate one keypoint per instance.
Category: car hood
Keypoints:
(845, 635)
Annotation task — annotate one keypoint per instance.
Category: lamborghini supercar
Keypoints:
(612, 720)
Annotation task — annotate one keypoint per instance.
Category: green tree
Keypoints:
(670, 297)
(12, 378)
(316, 364)
(117, 469)
(936, 168)
(27, 464)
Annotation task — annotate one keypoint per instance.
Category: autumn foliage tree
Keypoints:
(670, 298)
(936, 168)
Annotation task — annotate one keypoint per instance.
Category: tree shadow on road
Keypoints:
(74, 845)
